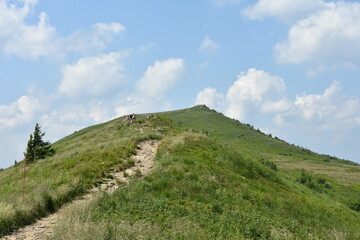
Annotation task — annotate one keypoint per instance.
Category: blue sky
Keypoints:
(288, 67)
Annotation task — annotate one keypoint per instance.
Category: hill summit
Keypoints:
(213, 178)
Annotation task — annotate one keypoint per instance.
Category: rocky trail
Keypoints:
(144, 162)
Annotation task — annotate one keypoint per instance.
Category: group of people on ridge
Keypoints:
(130, 117)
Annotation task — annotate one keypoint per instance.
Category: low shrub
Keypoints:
(355, 205)
(268, 164)
(306, 179)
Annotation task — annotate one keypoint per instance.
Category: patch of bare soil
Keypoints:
(144, 162)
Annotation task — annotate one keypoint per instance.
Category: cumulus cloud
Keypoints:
(323, 31)
(321, 120)
(159, 77)
(93, 76)
(209, 46)
(31, 41)
(330, 117)
(331, 34)
(151, 88)
(283, 9)
(254, 91)
(211, 98)
(21, 39)
(275, 106)
(318, 106)
(257, 93)
(329, 110)
(23, 110)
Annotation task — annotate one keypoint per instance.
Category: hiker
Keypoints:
(132, 117)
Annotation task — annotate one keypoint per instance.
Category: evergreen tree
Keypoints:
(36, 147)
(30, 149)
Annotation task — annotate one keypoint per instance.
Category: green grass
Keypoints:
(215, 178)
(204, 190)
(290, 160)
(82, 160)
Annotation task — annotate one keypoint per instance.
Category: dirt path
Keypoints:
(144, 161)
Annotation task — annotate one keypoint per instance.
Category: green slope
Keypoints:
(215, 179)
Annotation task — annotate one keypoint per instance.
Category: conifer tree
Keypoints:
(36, 147)
(30, 149)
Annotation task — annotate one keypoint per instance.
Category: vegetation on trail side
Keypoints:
(204, 190)
(215, 178)
(83, 159)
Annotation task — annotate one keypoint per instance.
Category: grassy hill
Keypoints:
(215, 178)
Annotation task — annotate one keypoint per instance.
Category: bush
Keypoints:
(49, 203)
(268, 164)
(322, 182)
(355, 205)
(307, 180)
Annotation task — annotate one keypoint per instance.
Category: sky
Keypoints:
(290, 68)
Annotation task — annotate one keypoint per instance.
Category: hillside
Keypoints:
(215, 178)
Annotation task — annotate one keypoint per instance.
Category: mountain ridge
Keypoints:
(246, 176)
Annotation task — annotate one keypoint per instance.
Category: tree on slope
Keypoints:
(36, 147)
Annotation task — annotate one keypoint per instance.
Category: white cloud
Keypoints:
(283, 9)
(31, 41)
(332, 34)
(159, 77)
(330, 110)
(93, 76)
(59, 123)
(151, 88)
(211, 98)
(88, 76)
(324, 31)
(256, 85)
(318, 106)
(328, 122)
(97, 38)
(258, 93)
(21, 39)
(253, 90)
(317, 120)
(276, 106)
(223, 3)
(17, 121)
(69, 118)
(23, 110)
(209, 46)
(108, 29)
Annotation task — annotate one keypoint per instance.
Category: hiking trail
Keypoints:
(144, 161)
